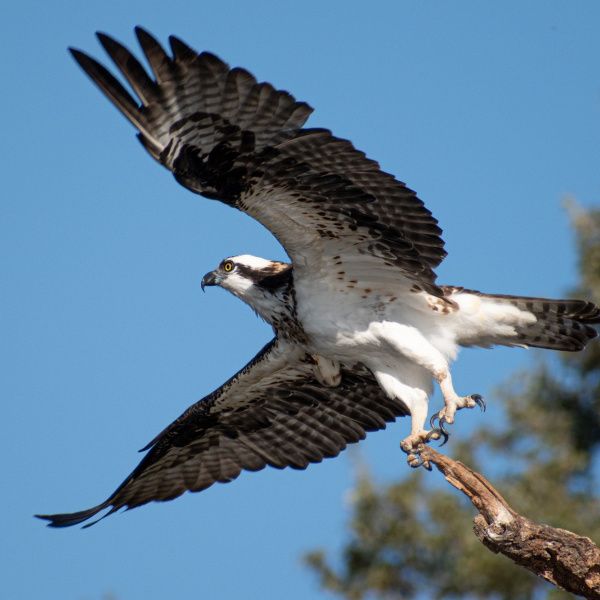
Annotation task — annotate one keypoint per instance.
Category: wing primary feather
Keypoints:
(130, 67)
(68, 519)
(181, 51)
(160, 63)
(115, 92)
(107, 83)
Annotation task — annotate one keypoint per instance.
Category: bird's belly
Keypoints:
(338, 330)
(350, 331)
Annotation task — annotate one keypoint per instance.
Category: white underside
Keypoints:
(403, 341)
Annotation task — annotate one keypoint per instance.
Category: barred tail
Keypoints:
(524, 321)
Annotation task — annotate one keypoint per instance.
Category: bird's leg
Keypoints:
(452, 401)
(414, 346)
(413, 444)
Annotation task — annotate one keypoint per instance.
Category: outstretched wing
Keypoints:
(227, 137)
(273, 412)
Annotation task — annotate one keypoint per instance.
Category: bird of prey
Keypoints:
(362, 329)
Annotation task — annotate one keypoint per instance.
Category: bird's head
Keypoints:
(261, 283)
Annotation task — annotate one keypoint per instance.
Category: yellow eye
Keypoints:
(228, 266)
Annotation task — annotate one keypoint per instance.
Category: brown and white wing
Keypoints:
(273, 412)
(228, 137)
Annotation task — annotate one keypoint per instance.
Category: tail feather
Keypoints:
(538, 322)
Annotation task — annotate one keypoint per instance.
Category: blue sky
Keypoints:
(491, 111)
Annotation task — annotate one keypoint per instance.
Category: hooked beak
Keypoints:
(210, 279)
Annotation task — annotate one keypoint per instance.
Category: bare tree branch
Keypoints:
(565, 559)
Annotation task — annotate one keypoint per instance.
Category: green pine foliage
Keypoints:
(414, 539)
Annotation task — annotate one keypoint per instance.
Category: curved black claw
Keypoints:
(441, 427)
(445, 433)
(437, 433)
(478, 399)
(443, 424)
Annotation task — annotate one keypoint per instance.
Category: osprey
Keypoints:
(362, 329)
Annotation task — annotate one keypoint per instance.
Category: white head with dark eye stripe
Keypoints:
(261, 283)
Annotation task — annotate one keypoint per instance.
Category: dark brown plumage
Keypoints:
(273, 412)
